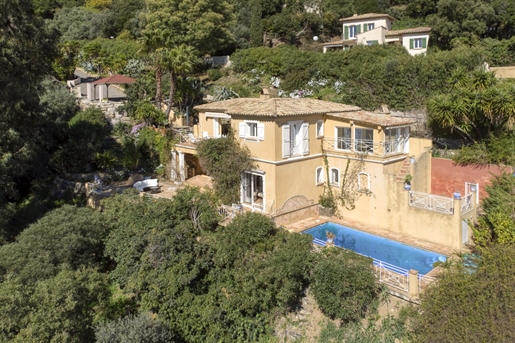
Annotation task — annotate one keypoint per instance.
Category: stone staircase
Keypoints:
(405, 170)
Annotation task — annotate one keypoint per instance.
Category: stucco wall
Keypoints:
(422, 173)
(388, 209)
(314, 143)
(504, 72)
(405, 42)
(447, 178)
(297, 178)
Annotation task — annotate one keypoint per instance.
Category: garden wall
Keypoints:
(447, 178)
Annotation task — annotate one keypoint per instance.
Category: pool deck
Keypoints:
(315, 221)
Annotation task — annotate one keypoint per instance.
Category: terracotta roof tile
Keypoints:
(413, 30)
(366, 117)
(368, 16)
(275, 107)
(283, 107)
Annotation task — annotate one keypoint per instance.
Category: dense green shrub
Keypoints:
(497, 224)
(141, 328)
(68, 236)
(471, 305)
(87, 131)
(214, 74)
(344, 285)
(389, 330)
(224, 159)
(369, 75)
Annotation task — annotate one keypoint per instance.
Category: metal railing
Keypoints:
(394, 146)
(466, 204)
(389, 274)
(368, 146)
(228, 212)
(424, 281)
(431, 202)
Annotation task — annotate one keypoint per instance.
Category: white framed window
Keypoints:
(319, 175)
(334, 174)
(343, 138)
(364, 140)
(252, 130)
(295, 139)
(417, 43)
(363, 182)
(371, 26)
(320, 128)
(352, 31)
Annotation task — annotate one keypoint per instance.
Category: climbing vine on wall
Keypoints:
(349, 192)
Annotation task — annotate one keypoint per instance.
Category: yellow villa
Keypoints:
(298, 144)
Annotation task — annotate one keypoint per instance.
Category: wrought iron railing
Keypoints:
(466, 204)
(431, 202)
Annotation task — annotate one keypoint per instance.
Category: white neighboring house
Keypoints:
(375, 28)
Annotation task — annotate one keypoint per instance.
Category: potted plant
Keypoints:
(407, 182)
(329, 238)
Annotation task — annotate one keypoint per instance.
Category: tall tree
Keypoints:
(464, 19)
(28, 49)
(256, 26)
(477, 106)
(154, 42)
(179, 62)
(203, 24)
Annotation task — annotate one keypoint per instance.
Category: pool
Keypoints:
(378, 248)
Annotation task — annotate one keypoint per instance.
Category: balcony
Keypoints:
(367, 146)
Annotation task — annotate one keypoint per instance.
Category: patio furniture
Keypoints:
(145, 185)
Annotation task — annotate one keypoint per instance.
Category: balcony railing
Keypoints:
(431, 202)
(368, 146)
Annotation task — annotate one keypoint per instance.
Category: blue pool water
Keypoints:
(378, 248)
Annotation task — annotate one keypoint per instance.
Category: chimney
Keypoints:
(265, 94)
(385, 110)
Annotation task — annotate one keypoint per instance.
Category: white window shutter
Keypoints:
(261, 131)
(305, 138)
(286, 141)
(242, 127)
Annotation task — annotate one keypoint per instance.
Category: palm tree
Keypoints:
(153, 45)
(179, 61)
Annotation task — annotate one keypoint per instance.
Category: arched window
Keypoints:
(363, 182)
(335, 177)
(320, 128)
(319, 175)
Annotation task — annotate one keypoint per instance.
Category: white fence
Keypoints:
(391, 275)
(431, 202)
